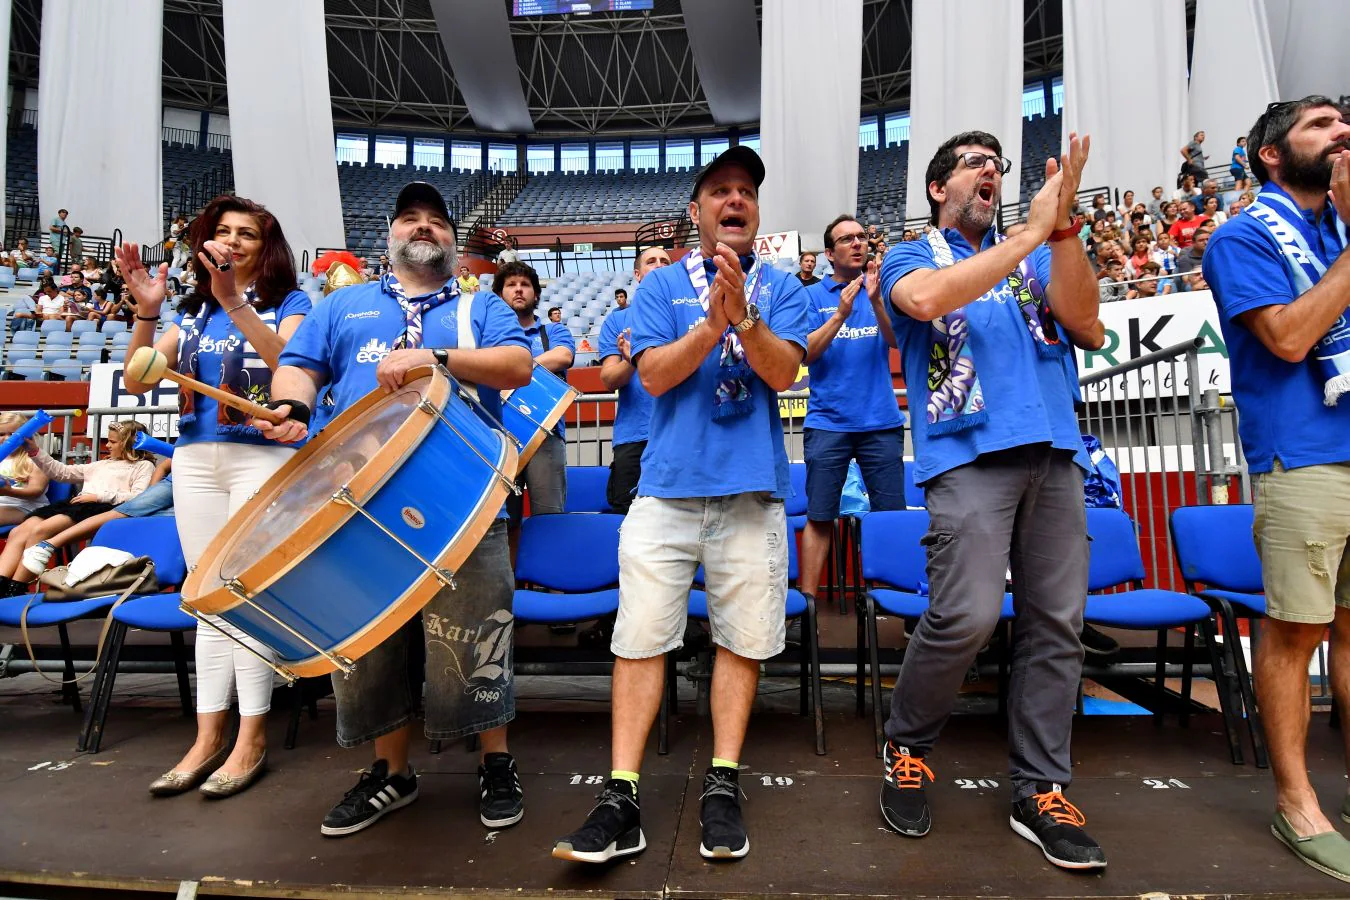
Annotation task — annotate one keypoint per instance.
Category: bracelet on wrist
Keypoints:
(237, 307)
(141, 318)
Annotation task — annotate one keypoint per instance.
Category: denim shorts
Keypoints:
(880, 456)
(741, 540)
(156, 500)
(468, 635)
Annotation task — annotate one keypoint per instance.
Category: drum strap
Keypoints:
(466, 340)
(543, 335)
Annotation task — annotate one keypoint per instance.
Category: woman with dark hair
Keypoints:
(234, 324)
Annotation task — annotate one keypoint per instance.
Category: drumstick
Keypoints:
(148, 366)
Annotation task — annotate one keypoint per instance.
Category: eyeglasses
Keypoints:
(976, 160)
(850, 239)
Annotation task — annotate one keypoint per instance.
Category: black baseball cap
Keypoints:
(740, 155)
(423, 192)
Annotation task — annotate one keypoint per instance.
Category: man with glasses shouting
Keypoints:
(852, 413)
(983, 324)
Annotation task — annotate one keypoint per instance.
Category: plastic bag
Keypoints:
(854, 502)
(1101, 487)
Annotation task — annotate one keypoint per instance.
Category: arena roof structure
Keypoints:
(660, 70)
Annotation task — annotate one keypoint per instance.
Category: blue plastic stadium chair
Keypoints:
(7, 278)
(50, 326)
(28, 274)
(27, 370)
(90, 339)
(120, 338)
(1217, 558)
(84, 326)
(57, 339)
(895, 574)
(796, 504)
(25, 339)
(915, 497)
(576, 554)
(156, 537)
(68, 371)
(1114, 562)
(586, 489)
(113, 327)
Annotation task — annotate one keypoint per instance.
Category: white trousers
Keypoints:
(211, 482)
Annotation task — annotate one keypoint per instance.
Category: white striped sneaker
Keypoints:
(375, 794)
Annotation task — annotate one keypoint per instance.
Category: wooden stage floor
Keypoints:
(1176, 818)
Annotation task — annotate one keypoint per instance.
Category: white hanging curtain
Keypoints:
(1226, 99)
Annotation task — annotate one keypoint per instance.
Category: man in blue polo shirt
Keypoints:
(1281, 280)
(715, 336)
(984, 337)
(852, 413)
(369, 336)
(634, 411)
(553, 348)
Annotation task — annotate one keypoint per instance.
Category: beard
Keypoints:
(1309, 173)
(428, 256)
(970, 216)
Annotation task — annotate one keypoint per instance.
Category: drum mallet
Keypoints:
(148, 366)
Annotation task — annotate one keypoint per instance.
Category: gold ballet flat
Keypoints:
(171, 782)
(222, 784)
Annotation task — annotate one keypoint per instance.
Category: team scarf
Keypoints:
(243, 372)
(414, 309)
(955, 398)
(732, 399)
(1296, 236)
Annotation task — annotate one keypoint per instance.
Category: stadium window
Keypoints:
(897, 129)
(352, 148)
(576, 158)
(679, 154)
(502, 157)
(709, 149)
(391, 151)
(429, 152)
(751, 141)
(646, 154)
(1033, 100)
(466, 155)
(609, 155)
(867, 134)
(539, 159)
(1057, 95)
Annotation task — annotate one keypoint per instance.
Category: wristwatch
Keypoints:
(442, 358)
(750, 321)
(1060, 234)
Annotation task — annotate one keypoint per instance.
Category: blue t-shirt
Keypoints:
(688, 453)
(1029, 398)
(1239, 159)
(851, 381)
(634, 415)
(1281, 413)
(220, 334)
(558, 336)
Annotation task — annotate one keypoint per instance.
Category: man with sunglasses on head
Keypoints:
(852, 413)
(983, 324)
(1280, 276)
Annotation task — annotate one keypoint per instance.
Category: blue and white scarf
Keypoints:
(732, 399)
(1295, 236)
(411, 339)
(242, 371)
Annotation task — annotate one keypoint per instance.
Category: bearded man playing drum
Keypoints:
(371, 335)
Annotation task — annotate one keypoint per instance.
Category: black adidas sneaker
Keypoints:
(376, 793)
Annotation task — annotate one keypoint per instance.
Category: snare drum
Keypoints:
(356, 533)
(530, 412)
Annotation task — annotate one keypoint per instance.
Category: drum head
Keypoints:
(294, 510)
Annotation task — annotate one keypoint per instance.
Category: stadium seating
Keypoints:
(585, 199)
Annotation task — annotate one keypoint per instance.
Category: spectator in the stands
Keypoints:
(1183, 230)
(1169, 217)
(882, 247)
(806, 272)
(112, 279)
(1189, 262)
(1126, 205)
(1165, 253)
(909, 235)
(1193, 156)
(1141, 256)
(1149, 283)
(1155, 205)
(509, 254)
(555, 314)
(57, 231)
(92, 270)
(51, 303)
(1098, 208)
(77, 243)
(103, 484)
(22, 257)
(178, 240)
(873, 238)
(23, 486)
(383, 268)
(1096, 237)
(1208, 188)
(24, 313)
(468, 282)
(1212, 212)
(1188, 189)
(1111, 280)
(620, 297)
(1237, 167)
(1139, 224)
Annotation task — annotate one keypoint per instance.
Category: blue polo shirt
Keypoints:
(634, 415)
(220, 334)
(851, 381)
(688, 453)
(558, 336)
(1029, 398)
(1282, 415)
(354, 328)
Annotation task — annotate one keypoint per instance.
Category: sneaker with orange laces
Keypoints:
(1055, 825)
(903, 804)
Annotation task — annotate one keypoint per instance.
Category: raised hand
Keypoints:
(732, 279)
(1043, 217)
(625, 342)
(213, 255)
(147, 290)
(1071, 168)
(872, 281)
(847, 296)
(1340, 185)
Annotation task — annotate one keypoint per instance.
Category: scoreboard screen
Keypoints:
(563, 7)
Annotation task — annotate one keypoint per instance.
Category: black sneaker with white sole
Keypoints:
(724, 834)
(1097, 644)
(613, 828)
(1055, 825)
(904, 805)
(376, 793)
(501, 801)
